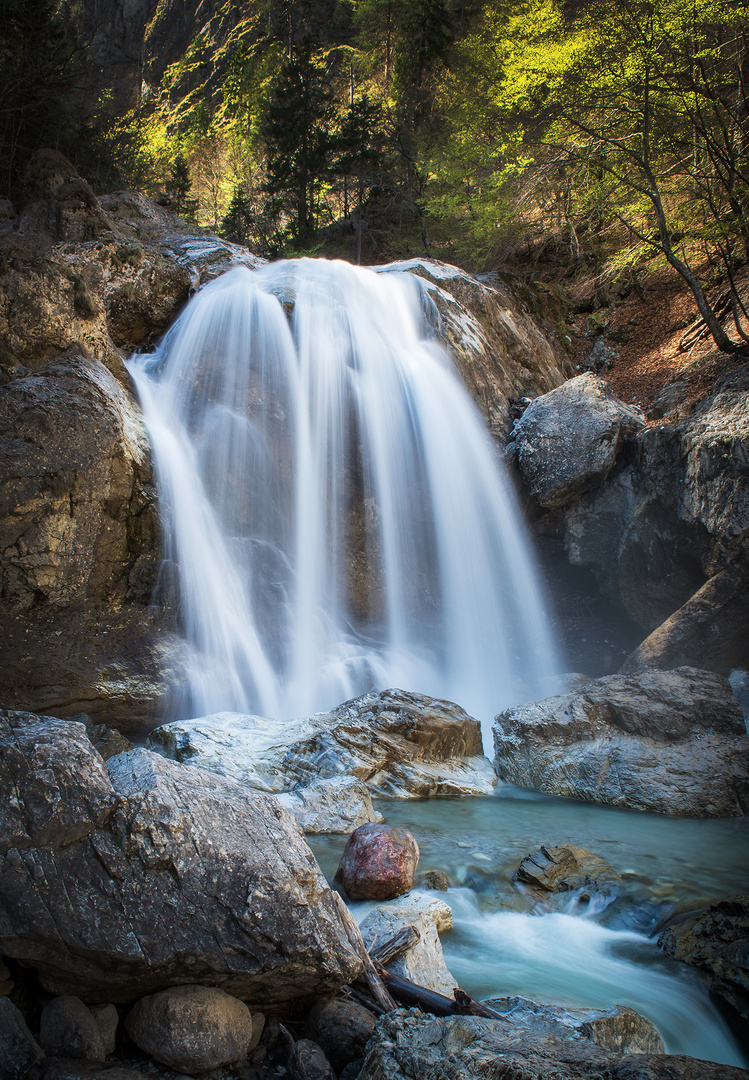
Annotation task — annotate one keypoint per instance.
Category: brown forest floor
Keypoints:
(653, 323)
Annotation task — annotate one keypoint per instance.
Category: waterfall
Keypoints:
(335, 514)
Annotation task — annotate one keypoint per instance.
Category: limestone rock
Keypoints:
(378, 862)
(79, 546)
(672, 742)
(19, 1051)
(398, 743)
(341, 1028)
(120, 880)
(668, 534)
(68, 1030)
(716, 941)
(568, 440)
(618, 1029)
(505, 336)
(191, 1028)
(424, 963)
(408, 1044)
(338, 805)
(567, 868)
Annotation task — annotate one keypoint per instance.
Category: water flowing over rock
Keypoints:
(122, 879)
(407, 1044)
(673, 742)
(398, 744)
(334, 508)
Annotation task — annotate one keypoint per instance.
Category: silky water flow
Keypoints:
(335, 514)
(336, 519)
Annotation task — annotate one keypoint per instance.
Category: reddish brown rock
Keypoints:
(378, 863)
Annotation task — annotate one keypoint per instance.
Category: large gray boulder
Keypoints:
(122, 879)
(673, 742)
(667, 535)
(19, 1050)
(397, 743)
(408, 1044)
(568, 440)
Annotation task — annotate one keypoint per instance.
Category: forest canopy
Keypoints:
(607, 135)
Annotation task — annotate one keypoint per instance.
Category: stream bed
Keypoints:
(564, 951)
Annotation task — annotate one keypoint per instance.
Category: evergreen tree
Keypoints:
(298, 137)
(180, 186)
(239, 219)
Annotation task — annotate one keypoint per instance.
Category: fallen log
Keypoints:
(370, 973)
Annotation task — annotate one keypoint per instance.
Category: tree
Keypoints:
(38, 67)
(642, 104)
(297, 132)
(359, 154)
(180, 186)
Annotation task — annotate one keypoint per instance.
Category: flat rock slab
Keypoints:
(122, 879)
(397, 743)
(672, 742)
(408, 1044)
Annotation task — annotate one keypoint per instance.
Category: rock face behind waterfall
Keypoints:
(397, 743)
(662, 520)
(122, 879)
(673, 742)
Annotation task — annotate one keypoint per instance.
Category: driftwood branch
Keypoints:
(395, 946)
(372, 977)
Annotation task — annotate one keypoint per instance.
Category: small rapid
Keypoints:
(335, 515)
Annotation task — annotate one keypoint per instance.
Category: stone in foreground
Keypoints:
(378, 862)
(671, 742)
(399, 744)
(424, 963)
(123, 879)
(408, 1044)
(191, 1028)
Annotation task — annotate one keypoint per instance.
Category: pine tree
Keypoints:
(238, 220)
(298, 137)
(180, 186)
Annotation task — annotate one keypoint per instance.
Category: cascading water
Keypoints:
(335, 511)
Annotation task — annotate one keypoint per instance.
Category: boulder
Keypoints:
(19, 1051)
(618, 1029)
(378, 862)
(566, 869)
(716, 942)
(341, 1028)
(667, 536)
(107, 1020)
(123, 879)
(408, 1044)
(66, 1069)
(424, 963)
(672, 742)
(67, 1029)
(313, 1060)
(338, 805)
(568, 440)
(6, 982)
(397, 743)
(191, 1028)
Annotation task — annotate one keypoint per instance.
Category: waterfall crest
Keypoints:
(336, 513)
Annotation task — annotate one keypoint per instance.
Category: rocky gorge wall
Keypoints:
(83, 282)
